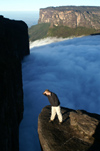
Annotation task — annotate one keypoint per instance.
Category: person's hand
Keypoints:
(44, 94)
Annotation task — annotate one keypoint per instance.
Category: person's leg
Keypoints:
(58, 111)
(53, 113)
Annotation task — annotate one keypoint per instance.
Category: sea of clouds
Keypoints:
(71, 69)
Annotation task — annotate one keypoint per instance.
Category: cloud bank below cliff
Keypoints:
(46, 41)
(71, 69)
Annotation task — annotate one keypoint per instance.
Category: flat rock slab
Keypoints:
(83, 123)
(67, 137)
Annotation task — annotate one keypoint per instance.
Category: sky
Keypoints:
(32, 5)
(69, 68)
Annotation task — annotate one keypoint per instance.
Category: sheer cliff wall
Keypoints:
(14, 45)
(71, 16)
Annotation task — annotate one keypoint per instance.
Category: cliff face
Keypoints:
(14, 45)
(71, 16)
(80, 131)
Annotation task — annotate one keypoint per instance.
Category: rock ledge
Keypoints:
(80, 131)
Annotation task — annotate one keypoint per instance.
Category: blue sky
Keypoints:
(33, 5)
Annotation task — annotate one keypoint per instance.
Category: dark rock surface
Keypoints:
(80, 131)
(71, 16)
(14, 45)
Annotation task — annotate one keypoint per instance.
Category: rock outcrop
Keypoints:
(80, 131)
(71, 16)
(14, 45)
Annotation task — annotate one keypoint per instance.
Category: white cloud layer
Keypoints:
(46, 41)
(71, 69)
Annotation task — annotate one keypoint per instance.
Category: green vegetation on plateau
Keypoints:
(64, 31)
(74, 8)
(44, 30)
(38, 31)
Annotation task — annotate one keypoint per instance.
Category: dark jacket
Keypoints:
(53, 99)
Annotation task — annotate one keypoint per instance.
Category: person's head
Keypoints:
(47, 92)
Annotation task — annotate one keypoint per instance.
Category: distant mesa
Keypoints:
(71, 16)
(67, 21)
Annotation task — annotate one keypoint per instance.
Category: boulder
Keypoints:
(83, 124)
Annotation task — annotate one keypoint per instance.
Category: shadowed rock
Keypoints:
(79, 132)
(14, 45)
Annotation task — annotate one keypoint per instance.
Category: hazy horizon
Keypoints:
(29, 17)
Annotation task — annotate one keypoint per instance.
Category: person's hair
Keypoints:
(47, 90)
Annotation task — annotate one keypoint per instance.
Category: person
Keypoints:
(55, 105)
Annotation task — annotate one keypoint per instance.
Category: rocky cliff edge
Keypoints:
(80, 131)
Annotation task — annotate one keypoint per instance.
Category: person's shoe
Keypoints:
(60, 123)
(50, 121)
